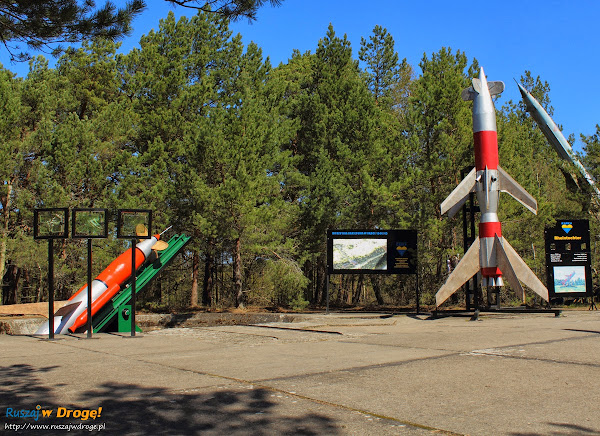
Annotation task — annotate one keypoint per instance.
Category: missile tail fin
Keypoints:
(468, 94)
(510, 186)
(520, 269)
(507, 270)
(459, 195)
(67, 309)
(494, 88)
(466, 268)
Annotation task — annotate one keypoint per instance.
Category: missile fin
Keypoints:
(459, 195)
(468, 94)
(507, 270)
(67, 309)
(160, 246)
(466, 268)
(496, 87)
(523, 272)
(509, 185)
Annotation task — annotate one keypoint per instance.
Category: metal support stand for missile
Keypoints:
(495, 307)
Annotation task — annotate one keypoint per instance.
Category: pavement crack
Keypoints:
(360, 368)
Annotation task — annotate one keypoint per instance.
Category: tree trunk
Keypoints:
(237, 274)
(40, 285)
(195, 267)
(207, 289)
(6, 205)
(377, 290)
(358, 291)
(10, 283)
(340, 295)
(321, 291)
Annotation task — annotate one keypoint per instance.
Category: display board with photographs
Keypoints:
(568, 259)
(372, 251)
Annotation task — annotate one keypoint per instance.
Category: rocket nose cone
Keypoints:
(522, 90)
(483, 79)
(527, 98)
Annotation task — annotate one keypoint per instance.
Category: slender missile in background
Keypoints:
(73, 315)
(554, 135)
(490, 255)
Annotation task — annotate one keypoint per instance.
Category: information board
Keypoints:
(372, 251)
(568, 259)
(51, 223)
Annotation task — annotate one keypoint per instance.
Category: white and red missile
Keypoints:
(73, 316)
(490, 255)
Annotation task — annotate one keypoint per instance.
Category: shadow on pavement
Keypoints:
(562, 429)
(132, 409)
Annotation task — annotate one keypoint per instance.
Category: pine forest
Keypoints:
(256, 162)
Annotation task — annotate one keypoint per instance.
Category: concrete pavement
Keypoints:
(337, 374)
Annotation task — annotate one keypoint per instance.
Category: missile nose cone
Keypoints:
(483, 81)
(527, 99)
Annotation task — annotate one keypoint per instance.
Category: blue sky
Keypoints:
(557, 40)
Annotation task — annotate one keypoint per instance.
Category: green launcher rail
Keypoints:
(112, 315)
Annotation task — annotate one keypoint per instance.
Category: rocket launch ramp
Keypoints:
(105, 319)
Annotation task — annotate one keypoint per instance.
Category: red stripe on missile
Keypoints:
(490, 229)
(491, 272)
(486, 149)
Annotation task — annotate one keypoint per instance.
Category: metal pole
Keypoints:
(133, 249)
(50, 288)
(89, 289)
(327, 293)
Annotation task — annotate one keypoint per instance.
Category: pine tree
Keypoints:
(13, 156)
(441, 137)
(591, 150)
(207, 102)
(45, 25)
(384, 72)
(339, 149)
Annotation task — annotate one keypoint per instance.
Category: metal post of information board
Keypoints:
(134, 224)
(50, 224)
(50, 288)
(89, 289)
(327, 293)
(89, 224)
(133, 250)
